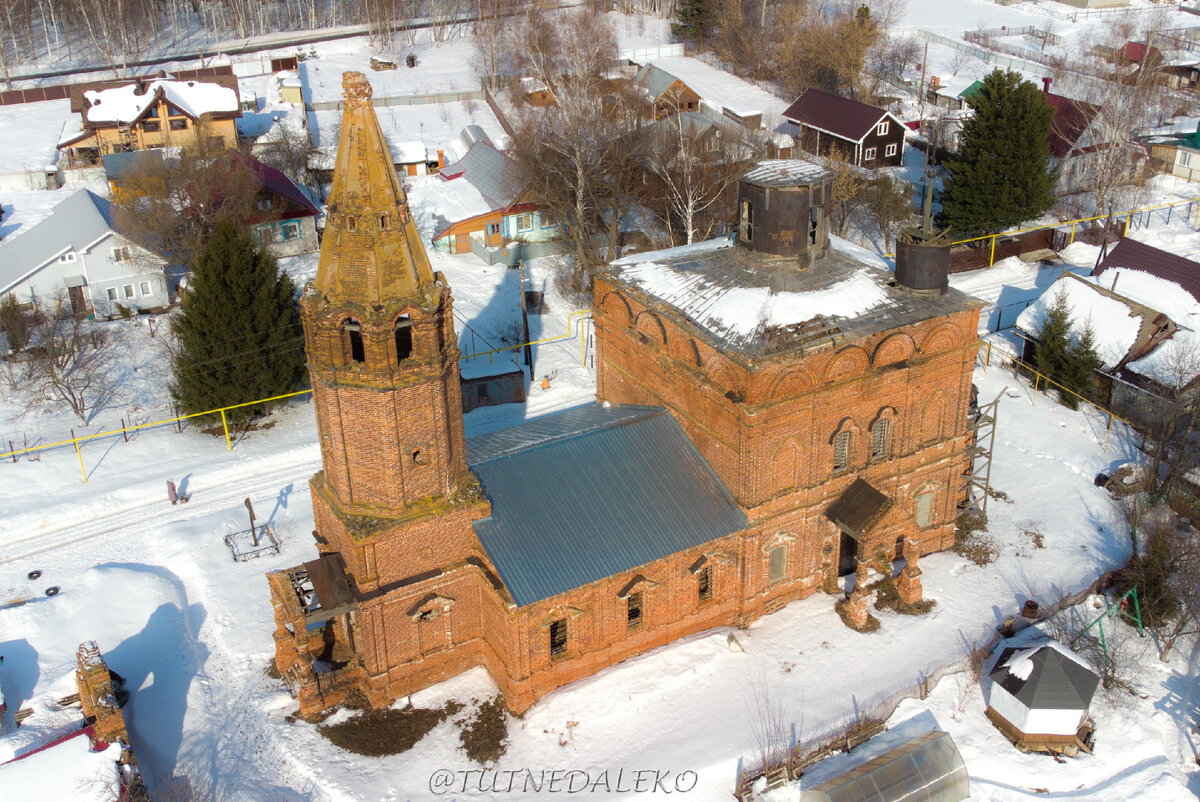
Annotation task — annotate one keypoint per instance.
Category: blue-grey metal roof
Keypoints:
(121, 165)
(591, 492)
(77, 222)
(654, 80)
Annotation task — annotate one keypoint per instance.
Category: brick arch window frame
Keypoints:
(883, 433)
(402, 334)
(354, 350)
(634, 595)
(777, 552)
(842, 443)
(556, 626)
(926, 490)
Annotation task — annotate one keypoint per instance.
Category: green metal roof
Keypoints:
(591, 492)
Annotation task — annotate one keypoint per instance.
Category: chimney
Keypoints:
(441, 158)
(1046, 84)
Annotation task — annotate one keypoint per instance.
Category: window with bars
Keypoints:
(558, 637)
(633, 606)
(704, 583)
(777, 563)
(881, 439)
(841, 451)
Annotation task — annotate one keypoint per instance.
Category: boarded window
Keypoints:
(747, 221)
(777, 568)
(704, 583)
(634, 609)
(558, 637)
(925, 509)
(881, 439)
(841, 451)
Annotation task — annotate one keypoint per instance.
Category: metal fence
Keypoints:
(76, 441)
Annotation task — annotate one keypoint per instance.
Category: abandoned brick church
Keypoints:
(773, 412)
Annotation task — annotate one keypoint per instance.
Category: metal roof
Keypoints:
(786, 173)
(858, 508)
(499, 179)
(1136, 255)
(122, 165)
(838, 115)
(1056, 681)
(654, 80)
(587, 493)
(76, 223)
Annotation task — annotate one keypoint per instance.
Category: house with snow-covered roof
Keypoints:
(866, 135)
(83, 248)
(484, 203)
(663, 92)
(1145, 330)
(143, 113)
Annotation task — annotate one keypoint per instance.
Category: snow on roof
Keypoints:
(1045, 675)
(719, 89)
(740, 311)
(409, 151)
(123, 104)
(67, 770)
(785, 173)
(1114, 324)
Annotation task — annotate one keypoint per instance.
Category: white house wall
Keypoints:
(143, 272)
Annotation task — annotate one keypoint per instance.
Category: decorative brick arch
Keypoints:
(720, 372)
(786, 461)
(430, 603)
(791, 382)
(684, 349)
(617, 308)
(615, 305)
(892, 433)
(650, 326)
(846, 424)
(847, 362)
(933, 417)
(895, 348)
(942, 337)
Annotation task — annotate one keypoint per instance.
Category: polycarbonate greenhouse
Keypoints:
(926, 769)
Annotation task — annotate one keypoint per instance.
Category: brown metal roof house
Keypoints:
(868, 136)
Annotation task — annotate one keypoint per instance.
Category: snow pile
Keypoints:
(1114, 326)
(1020, 664)
(123, 104)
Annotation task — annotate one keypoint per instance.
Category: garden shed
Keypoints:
(926, 769)
(1040, 696)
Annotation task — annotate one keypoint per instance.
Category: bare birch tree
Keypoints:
(72, 359)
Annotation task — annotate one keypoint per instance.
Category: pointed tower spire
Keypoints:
(372, 252)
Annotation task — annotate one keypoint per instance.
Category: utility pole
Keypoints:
(525, 321)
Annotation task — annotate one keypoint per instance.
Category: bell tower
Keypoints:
(379, 334)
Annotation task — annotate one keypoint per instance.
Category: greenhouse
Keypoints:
(926, 769)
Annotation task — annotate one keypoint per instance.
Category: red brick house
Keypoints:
(738, 462)
(868, 136)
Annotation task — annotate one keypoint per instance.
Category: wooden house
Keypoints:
(145, 113)
(485, 203)
(663, 92)
(868, 136)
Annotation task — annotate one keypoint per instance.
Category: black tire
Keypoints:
(32, 575)
(52, 590)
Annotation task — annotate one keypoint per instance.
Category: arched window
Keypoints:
(881, 439)
(354, 340)
(403, 338)
(841, 451)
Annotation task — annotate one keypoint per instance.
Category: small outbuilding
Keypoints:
(926, 769)
(1040, 697)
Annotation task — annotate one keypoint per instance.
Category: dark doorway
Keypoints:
(847, 560)
(78, 305)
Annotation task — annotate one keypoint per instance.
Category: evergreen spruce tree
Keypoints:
(237, 330)
(1051, 352)
(692, 19)
(1001, 175)
(1082, 363)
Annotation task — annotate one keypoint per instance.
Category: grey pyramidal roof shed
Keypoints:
(591, 492)
(1056, 682)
